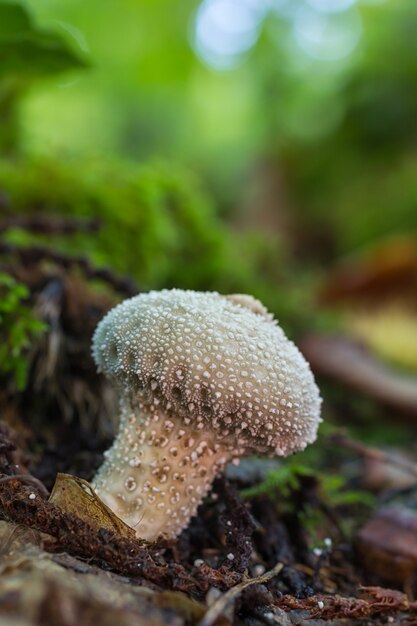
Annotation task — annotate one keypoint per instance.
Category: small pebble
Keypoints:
(231, 556)
(32, 496)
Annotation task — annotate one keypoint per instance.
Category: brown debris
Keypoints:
(49, 225)
(34, 255)
(127, 556)
(77, 537)
(12, 465)
(41, 589)
(28, 479)
(375, 454)
(387, 545)
(221, 605)
(11, 460)
(374, 602)
(238, 526)
(387, 270)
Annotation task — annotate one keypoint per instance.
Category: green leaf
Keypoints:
(27, 51)
(14, 21)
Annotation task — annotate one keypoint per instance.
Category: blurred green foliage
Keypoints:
(18, 328)
(334, 491)
(158, 226)
(303, 158)
(339, 133)
(358, 181)
(287, 478)
(283, 481)
(26, 53)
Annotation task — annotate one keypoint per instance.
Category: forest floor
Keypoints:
(274, 543)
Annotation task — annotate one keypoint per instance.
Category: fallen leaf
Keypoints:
(75, 495)
(383, 271)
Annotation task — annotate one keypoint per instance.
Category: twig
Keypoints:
(373, 453)
(375, 601)
(348, 362)
(30, 255)
(47, 225)
(219, 607)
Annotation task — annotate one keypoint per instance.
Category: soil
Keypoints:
(249, 557)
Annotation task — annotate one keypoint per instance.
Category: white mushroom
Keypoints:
(203, 379)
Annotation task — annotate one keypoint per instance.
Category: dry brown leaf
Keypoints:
(75, 495)
(381, 272)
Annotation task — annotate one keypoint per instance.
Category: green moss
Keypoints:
(157, 225)
(18, 328)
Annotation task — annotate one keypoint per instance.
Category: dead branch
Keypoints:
(374, 601)
(348, 363)
(49, 225)
(343, 441)
(33, 255)
(221, 605)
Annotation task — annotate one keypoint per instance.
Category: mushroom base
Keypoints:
(158, 471)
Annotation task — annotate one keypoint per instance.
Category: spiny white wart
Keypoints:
(204, 379)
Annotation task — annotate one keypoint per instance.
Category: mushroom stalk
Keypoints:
(158, 470)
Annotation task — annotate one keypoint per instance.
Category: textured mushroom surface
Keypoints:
(204, 379)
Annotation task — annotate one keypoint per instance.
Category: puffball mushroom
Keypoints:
(203, 380)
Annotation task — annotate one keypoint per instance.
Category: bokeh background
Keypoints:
(244, 146)
(262, 146)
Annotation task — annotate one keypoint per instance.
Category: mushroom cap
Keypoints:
(220, 362)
